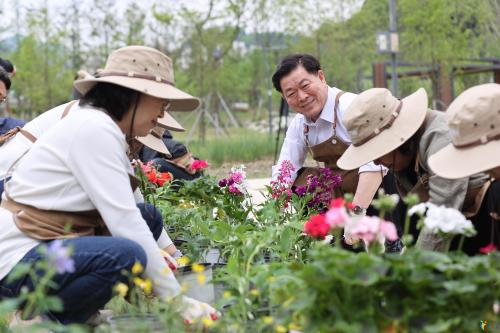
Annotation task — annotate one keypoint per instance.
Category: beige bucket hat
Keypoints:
(168, 122)
(154, 140)
(474, 121)
(378, 123)
(143, 69)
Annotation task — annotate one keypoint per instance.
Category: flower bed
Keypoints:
(285, 269)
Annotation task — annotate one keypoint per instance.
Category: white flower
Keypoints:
(447, 220)
(394, 199)
(418, 209)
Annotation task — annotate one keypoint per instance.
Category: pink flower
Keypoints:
(148, 167)
(234, 189)
(317, 227)
(337, 217)
(488, 248)
(388, 230)
(237, 177)
(366, 228)
(199, 164)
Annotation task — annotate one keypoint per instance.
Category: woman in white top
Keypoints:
(80, 165)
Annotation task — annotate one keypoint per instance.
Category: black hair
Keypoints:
(410, 147)
(6, 65)
(292, 61)
(4, 77)
(116, 100)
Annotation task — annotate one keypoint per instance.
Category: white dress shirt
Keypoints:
(14, 148)
(294, 146)
(81, 164)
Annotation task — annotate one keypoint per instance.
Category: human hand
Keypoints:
(194, 310)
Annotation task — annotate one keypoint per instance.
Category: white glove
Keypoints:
(349, 238)
(195, 310)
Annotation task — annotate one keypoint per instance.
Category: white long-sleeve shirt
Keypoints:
(294, 146)
(14, 148)
(81, 164)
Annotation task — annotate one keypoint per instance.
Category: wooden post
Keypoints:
(379, 76)
(445, 93)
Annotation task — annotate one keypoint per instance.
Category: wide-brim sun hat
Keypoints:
(154, 140)
(379, 123)
(143, 69)
(474, 122)
(168, 122)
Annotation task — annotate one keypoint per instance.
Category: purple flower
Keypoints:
(301, 191)
(223, 182)
(58, 256)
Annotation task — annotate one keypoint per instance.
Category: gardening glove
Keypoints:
(196, 310)
(349, 238)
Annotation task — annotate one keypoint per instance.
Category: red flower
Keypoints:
(317, 227)
(152, 176)
(337, 203)
(488, 248)
(163, 177)
(199, 164)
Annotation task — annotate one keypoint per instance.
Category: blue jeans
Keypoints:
(99, 262)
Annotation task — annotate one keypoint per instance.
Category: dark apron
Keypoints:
(329, 152)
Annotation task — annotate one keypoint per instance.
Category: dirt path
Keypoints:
(255, 169)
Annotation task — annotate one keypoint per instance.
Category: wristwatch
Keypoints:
(358, 210)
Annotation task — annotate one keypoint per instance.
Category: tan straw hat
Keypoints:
(154, 140)
(168, 122)
(378, 123)
(144, 69)
(474, 121)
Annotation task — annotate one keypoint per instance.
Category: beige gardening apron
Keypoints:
(329, 152)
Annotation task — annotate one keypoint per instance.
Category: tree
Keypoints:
(441, 33)
(44, 78)
(135, 17)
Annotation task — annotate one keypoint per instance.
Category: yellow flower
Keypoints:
(201, 278)
(270, 279)
(293, 326)
(268, 320)
(183, 261)
(197, 268)
(147, 287)
(121, 289)
(143, 284)
(254, 292)
(227, 294)
(280, 329)
(207, 322)
(137, 268)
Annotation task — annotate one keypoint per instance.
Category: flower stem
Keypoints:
(461, 242)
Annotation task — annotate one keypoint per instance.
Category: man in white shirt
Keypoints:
(318, 126)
